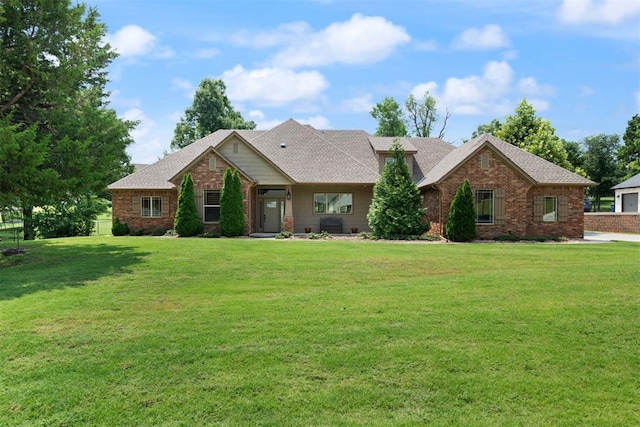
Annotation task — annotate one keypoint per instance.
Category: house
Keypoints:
(294, 177)
(626, 195)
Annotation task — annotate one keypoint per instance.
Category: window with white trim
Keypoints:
(211, 201)
(151, 206)
(332, 203)
(483, 203)
(550, 209)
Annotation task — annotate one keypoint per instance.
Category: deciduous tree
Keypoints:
(396, 209)
(390, 118)
(211, 110)
(629, 153)
(422, 114)
(600, 163)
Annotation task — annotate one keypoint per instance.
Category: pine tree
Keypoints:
(231, 205)
(461, 226)
(396, 209)
(187, 223)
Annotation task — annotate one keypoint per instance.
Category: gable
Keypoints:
(251, 162)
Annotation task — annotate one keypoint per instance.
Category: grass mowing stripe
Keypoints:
(107, 330)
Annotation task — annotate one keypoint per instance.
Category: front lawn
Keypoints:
(165, 331)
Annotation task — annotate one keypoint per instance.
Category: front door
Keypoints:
(271, 215)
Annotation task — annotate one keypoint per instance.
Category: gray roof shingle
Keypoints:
(632, 182)
(537, 169)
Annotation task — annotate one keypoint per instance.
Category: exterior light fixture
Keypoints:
(288, 195)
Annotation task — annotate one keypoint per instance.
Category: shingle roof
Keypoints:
(634, 181)
(308, 155)
(537, 169)
(384, 143)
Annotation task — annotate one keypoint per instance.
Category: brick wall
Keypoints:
(519, 194)
(123, 209)
(618, 222)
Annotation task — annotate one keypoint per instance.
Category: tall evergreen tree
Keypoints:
(396, 209)
(461, 225)
(52, 85)
(187, 223)
(232, 221)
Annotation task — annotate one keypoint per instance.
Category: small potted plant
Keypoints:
(354, 230)
(307, 230)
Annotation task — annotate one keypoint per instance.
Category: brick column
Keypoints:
(288, 223)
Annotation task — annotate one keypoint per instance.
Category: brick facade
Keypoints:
(203, 179)
(618, 222)
(519, 194)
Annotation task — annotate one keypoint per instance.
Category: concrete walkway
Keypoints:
(609, 237)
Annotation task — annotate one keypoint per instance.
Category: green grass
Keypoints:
(157, 331)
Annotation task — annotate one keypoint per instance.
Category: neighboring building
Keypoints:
(627, 194)
(293, 176)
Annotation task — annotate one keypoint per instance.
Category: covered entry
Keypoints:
(271, 204)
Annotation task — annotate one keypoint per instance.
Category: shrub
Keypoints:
(119, 228)
(396, 208)
(187, 223)
(461, 226)
(159, 232)
(68, 218)
(231, 205)
(284, 235)
(210, 235)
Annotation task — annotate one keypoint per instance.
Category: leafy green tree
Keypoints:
(600, 163)
(629, 153)
(390, 118)
(491, 128)
(68, 218)
(526, 130)
(211, 110)
(52, 99)
(461, 225)
(422, 114)
(187, 223)
(231, 205)
(396, 209)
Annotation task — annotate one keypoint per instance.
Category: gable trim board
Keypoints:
(335, 161)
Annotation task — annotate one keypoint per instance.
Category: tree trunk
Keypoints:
(27, 218)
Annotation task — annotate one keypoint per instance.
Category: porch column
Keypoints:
(288, 222)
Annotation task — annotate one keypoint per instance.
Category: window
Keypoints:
(483, 202)
(151, 206)
(550, 209)
(333, 203)
(211, 205)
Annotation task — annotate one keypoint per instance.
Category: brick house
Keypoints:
(294, 177)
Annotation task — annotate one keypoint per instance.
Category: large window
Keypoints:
(211, 205)
(550, 209)
(151, 206)
(483, 201)
(333, 203)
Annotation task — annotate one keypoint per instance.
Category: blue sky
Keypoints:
(327, 62)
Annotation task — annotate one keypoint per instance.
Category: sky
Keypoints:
(328, 62)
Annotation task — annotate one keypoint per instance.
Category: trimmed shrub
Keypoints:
(231, 205)
(119, 228)
(396, 208)
(461, 226)
(68, 218)
(187, 223)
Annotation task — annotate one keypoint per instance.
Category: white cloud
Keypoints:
(530, 86)
(361, 40)
(206, 53)
(317, 121)
(539, 104)
(486, 38)
(273, 86)
(151, 138)
(132, 40)
(473, 95)
(426, 46)
(610, 12)
(183, 85)
(359, 104)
